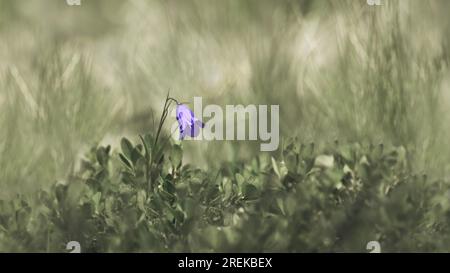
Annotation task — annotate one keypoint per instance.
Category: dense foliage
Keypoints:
(145, 199)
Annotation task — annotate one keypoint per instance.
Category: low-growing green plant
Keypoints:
(336, 199)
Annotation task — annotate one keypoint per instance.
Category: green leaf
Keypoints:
(125, 161)
(240, 179)
(227, 188)
(280, 204)
(127, 147)
(136, 155)
(96, 200)
(324, 161)
(102, 156)
(275, 167)
(146, 148)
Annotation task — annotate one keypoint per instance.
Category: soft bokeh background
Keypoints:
(74, 76)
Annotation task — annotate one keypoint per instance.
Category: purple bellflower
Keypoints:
(189, 124)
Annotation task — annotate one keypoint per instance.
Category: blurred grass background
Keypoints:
(73, 76)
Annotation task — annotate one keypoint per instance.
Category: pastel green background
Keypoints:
(72, 77)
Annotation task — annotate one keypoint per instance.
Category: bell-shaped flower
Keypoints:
(189, 124)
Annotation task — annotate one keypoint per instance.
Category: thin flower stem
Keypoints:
(154, 149)
(163, 117)
(176, 101)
